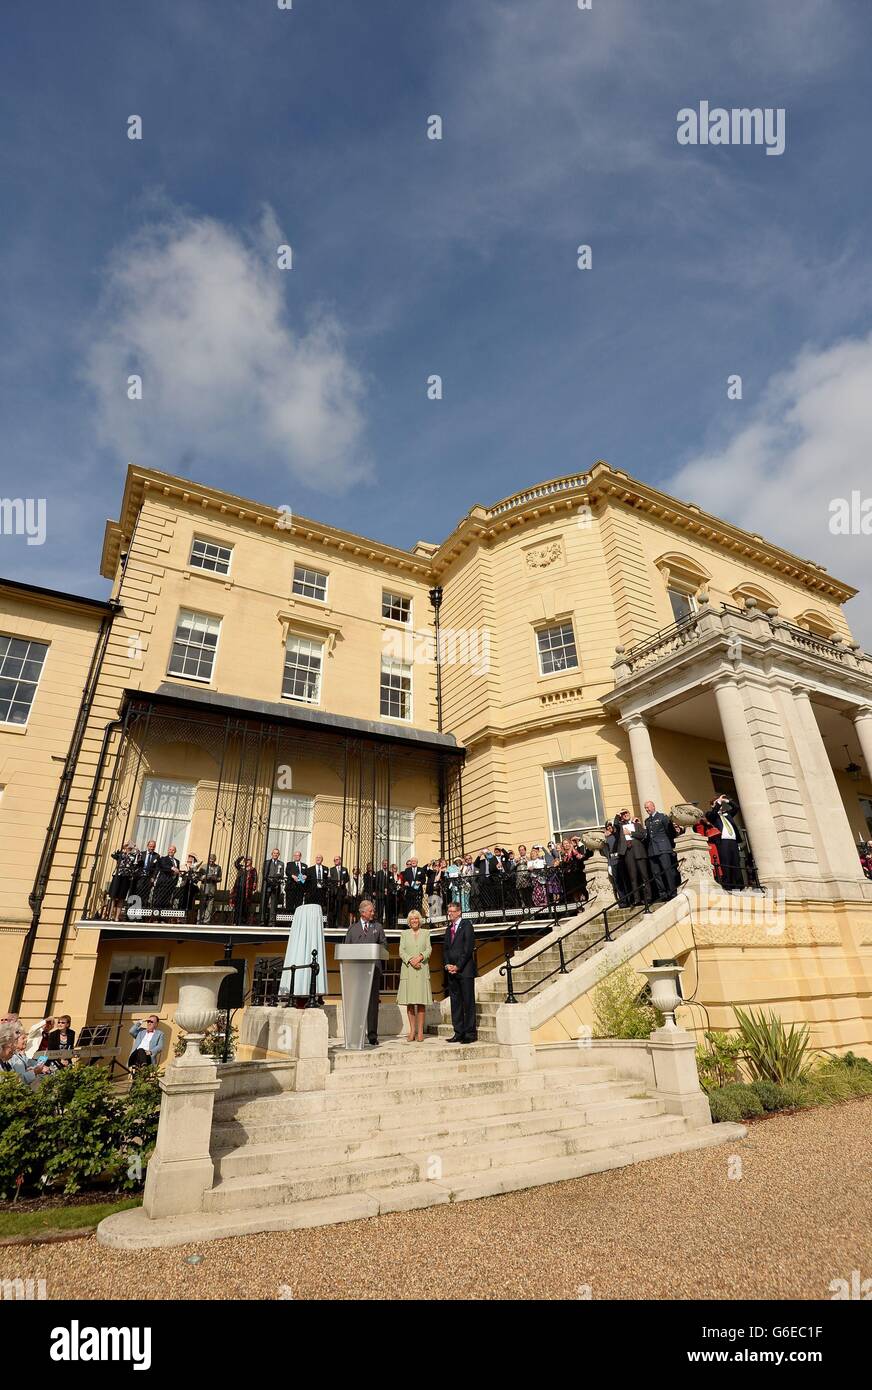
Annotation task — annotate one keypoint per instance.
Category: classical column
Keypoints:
(644, 766)
(757, 812)
(863, 725)
(824, 790)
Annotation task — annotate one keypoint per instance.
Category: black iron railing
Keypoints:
(627, 915)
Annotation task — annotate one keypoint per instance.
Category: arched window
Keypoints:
(816, 623)
(684, 578)
(761, 597)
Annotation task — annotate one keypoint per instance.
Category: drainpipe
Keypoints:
(436, 601)
(46, 858)
(77, 867)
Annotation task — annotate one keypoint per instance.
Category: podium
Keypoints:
(357, 967)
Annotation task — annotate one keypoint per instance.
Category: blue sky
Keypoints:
(412, 257)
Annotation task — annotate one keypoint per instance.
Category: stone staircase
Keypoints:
(414, 1125)
(527, 980)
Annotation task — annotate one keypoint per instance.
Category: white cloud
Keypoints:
(199, 312)
(808, 442)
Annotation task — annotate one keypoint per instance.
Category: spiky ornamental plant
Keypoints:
(771, 1051)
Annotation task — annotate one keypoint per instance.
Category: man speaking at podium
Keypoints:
(366, 931)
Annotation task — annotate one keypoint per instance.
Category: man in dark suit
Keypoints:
(367, 931)
(632, 855)
(488, 874)
(722, 816)
(337, 892)
(168, 870)
(273, 886)
(458, 956)
(317, 878)
(414, 878)
(295, 875)
(146, 872)
(660, 843)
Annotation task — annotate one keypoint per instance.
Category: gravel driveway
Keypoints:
(780, 1217)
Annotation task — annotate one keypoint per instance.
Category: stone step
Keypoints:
(309, 1182)
(429, 1087)
(338, 1135)
(565, 1090)
(386, 1056)
(486, 1032)
(558, 1129)
(357, 1078)
(133, 1230)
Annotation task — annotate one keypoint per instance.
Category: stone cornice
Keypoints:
(555, 498)
(603, 483)
(142, 482)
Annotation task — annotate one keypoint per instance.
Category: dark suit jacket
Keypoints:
(154, 862)
(280, 872)
(623, 845)
(717, 816)
(292, 868)
(385, 883)
(660, 833)
(460, 951)
(375, 932)
(312, 878)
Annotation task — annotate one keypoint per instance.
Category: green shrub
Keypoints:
(143, 1110)
(799, 1097)
(212, 1044)
(20, 1160)
(856, 1071)
(619, 1010)
(771, 1051)
(74, 1130)
(734, 1102)
(826, 1086)
(80, 1123)
(718, 1060)
(772, 1097)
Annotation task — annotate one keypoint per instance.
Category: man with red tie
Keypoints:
(458, 956)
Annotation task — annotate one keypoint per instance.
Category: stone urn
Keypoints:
(663, 980)
(686, 814)
(197, 1008)
(593, 839)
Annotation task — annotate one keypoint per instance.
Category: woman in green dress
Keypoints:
(414, 989)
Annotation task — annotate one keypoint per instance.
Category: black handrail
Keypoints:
(566, 962)
(312, 998)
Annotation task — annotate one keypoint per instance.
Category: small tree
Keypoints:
(620, 1008)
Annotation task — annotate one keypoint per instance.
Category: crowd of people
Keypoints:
(50, 1045)
(32, 1052)
(149, 884)
(641, 856)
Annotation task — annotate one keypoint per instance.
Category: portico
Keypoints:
(783, 702)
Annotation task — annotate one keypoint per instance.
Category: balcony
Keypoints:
(723, 637)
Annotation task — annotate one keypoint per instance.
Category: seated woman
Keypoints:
(415, 991)
(30, 1071)
(62, 1039)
